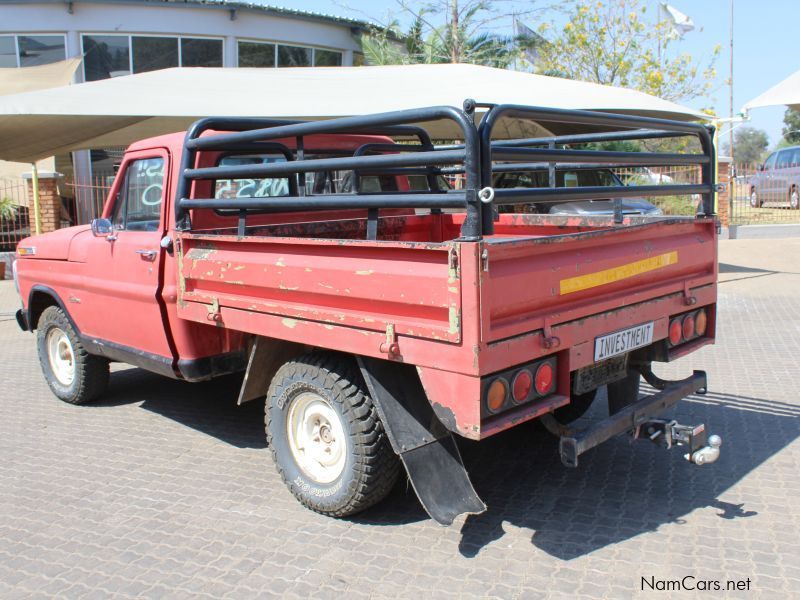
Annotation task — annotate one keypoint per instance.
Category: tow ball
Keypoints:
(703, 450)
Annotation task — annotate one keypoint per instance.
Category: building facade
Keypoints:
(120, 37)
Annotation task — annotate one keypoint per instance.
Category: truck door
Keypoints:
(125, 267)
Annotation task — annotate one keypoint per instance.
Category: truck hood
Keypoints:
(56, 244)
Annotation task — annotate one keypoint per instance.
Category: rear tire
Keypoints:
(74, 375)
(794, 199)
(326, 438)
(755, 201)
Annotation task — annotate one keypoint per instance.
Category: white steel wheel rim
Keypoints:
(316, 437)
(61, 356)
(793, 199)
(753, 200)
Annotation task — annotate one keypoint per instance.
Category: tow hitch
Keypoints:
(640, 419)
(671, 433)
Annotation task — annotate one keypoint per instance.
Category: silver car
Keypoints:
(777, 182)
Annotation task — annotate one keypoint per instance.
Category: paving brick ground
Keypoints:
(165, 489)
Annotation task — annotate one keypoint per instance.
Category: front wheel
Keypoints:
(74, 375)
(326, 438)
(794, 199)
(755, 201)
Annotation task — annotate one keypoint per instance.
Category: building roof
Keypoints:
(226, 5)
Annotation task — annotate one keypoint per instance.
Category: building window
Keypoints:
(106, 56)
(112, 55)
(294, 56)
(327, 58)
(8, 51)
(154, 53)
(199, 52)
(254, 54)
(31, 50)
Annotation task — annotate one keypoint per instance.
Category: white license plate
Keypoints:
(620, 342)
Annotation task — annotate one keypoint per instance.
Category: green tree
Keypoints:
(614, 42)
(8, 210)
(749, 145)
(442, 31)
(791, 126)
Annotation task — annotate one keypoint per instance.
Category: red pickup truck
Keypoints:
(379, 310)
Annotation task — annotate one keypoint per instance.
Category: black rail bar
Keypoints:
(398, 123)
(338, 201)
(394, 123)
(525, 195)
(490, 150)
(414, 159)
(585, 138)
(604, 156)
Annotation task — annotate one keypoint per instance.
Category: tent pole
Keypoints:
(35, 184)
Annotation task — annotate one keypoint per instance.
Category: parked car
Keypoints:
(576, 177)
(777, 181)
(376, 333)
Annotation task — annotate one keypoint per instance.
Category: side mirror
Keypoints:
(103, 228)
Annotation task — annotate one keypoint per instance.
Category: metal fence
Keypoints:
(764, 197)
(15, 220)
(670, 205)
(85, 198)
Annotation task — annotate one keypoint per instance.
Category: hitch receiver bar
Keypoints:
(630, 418)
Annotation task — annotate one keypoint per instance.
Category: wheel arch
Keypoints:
(42, 297)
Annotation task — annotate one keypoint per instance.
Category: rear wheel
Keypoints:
(755, 201)
(74, 375)
(325, 435)
(794, 199)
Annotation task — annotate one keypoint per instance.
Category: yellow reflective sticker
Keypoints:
(584, 282)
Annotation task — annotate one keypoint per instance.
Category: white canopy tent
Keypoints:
(15, 80)
(115, 112)
(787, 92)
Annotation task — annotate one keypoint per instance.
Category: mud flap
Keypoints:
(426, 448)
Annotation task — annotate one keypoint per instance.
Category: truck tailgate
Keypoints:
(528, 284)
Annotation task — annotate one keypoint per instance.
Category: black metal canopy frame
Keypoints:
(479, 157)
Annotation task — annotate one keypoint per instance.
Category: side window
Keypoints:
(770, 162)
(795, 161)
(138, 206)
(783, 159)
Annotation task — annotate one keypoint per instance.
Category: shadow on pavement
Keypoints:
(209, 406)
(620, 490)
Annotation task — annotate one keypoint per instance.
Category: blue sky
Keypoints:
(765, 44)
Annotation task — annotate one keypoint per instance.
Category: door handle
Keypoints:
(147, 254)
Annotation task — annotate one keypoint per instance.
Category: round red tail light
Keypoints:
(496, 396)
(521, 386)
(675, 332)
(688, 327)
(700, 322)
(544, 378)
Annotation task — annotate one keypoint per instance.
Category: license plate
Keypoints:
(620, 342)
